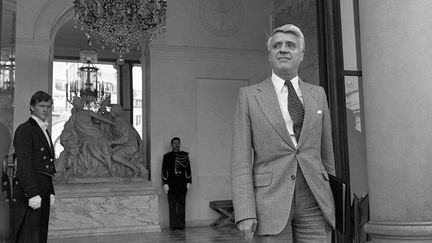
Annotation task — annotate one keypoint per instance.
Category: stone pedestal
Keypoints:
(100, 208)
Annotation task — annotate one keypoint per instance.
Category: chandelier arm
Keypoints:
(121, 25)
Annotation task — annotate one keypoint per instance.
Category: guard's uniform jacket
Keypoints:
(176, 172)
(35, 169)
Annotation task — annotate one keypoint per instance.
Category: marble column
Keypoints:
(33, 73)
(396, 50)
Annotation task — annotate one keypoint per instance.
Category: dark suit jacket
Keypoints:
(35, 160)
(264, 158)
(176, 172)
(35, 168)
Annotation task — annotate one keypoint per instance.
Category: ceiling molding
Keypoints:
(208, 54)
(10, 5)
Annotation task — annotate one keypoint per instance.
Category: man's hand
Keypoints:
(248, 226)
(188, 186)
(52, 199)
(166, 188)
(35, 202)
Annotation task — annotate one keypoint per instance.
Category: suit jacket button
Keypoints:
(42, 149)
(44, 157)
(293, 177)
(47, 166)
(297, 152)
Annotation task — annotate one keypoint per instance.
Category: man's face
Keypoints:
(42, 110)
(285, 54)
(175, 145)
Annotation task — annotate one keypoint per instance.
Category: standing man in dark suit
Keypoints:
(34, 190)
(283, 152)
(176, 180)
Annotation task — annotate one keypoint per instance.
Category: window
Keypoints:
(62, 72)
(138, 121)
(137, 98)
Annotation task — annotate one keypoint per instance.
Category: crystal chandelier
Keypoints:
(87, 86)
(121, 24)
(7, 71)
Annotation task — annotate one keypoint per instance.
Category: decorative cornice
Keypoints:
(399, 230)
(32, 42)
(208, 54)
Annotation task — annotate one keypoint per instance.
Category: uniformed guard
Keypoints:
(176, 180)
(33, 186)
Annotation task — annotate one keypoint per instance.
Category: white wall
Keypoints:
(195, 75)
(35, 27)
(182, 105)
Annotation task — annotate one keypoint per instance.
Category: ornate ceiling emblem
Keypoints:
(221, 17)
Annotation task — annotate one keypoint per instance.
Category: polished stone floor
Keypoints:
(194, 235)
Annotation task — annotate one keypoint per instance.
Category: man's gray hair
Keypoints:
(288, 28)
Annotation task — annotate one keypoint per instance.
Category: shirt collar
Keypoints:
(42, 124)
(279, 83)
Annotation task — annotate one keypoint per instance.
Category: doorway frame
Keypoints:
(331, 73)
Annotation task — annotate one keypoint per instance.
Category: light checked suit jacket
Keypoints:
(264, 158)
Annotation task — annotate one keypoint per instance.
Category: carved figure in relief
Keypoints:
(102, 144)
(86, 146)
(127, 146)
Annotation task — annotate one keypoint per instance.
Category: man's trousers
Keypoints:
(306, 223)
(176, 205)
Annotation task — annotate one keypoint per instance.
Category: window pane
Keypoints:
(352, 100)
(356, 136)
(137, 98)
(62, 72)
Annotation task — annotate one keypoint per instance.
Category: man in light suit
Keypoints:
(33, 187)
(283, 152)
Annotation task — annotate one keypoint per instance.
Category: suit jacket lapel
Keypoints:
(41, 135)
(269, 104)
(310, 101)
(51, 144)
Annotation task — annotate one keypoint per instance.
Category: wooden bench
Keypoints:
(226, 211)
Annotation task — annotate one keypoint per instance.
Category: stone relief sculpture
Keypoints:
(128, 148)
(99, 145)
